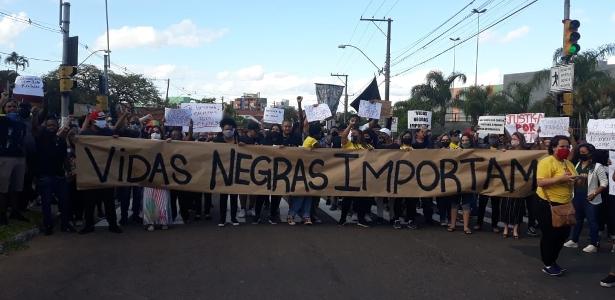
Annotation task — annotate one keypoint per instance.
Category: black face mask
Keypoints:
(24, 111)
(354, 139)
(445, 143)
(334, 133)
(584, 157)
(406, 141)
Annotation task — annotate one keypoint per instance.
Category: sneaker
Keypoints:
(291, 221)
(608, 281)
(590, 249)
(560, 267)
(272, 221)
(235, 222)
(397, 224)
(242, 213)
(443, 223)
(571, 244)
(411, 225)
(342, 222)
(362, 224)
(317, 220)
(531, 231)
(553, 270)
(220, 224)
(150, 228)
(307, 221)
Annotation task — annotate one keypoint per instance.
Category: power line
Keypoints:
(29, 21)
(467, 39)
(32, 58)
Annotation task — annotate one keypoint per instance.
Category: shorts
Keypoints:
(12, 173)
(463, 200)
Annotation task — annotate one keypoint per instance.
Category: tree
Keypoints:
(207, 100)
(290, 113)
(135, 90)
(437, 90)
(476, 101)
(17, 60)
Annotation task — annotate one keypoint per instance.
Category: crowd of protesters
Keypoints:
(37, 164)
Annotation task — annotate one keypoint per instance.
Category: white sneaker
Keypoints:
(242, 213)
(571, 244)
(590, 249)
(150, 228)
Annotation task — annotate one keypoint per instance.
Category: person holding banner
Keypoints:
(555, 175)
(410, 203)
(422, 140)
(493, 144)
(230, 136)
(157, 206)
(463, 200)
(511, 209)
(587, 197)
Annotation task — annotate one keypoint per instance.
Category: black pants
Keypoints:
(610, 212)
(552, 239)
(274, 206)
(444, 207)
(207, 203)
(224, 205)
(410, 208)
(187, 201)
(495, 210)
(359, 205)
(530, 205)
(76, 200)
(427, 205)
(91, 197)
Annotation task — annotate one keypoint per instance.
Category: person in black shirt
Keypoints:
(229, 135)
(49, 170)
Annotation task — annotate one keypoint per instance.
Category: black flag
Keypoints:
(370, 93)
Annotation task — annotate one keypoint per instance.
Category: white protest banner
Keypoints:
(317, 112)
(491, 124)
(177, 116)
(273, 115)
(394, 121)
(611, 171)
(601, 133)
(418, 119)
(550, 127)
(526, 124)
(28, 85)
(369, 110)
(205, 116)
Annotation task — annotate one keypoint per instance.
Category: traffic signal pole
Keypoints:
(65, 96)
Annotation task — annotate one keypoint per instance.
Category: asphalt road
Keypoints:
(202, 261)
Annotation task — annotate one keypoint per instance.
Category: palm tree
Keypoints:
(437, 90)
(476, 101)
(17, 60)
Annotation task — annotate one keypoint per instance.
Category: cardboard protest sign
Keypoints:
(28, 85)
(318, 112)
(550, 127)
(369, 110)
(601, 133)
(491, 125)
(267, 170)
(273, 115)
(205, 116)
(526, 124)
(611, 171)
(177, 116)
(418, 119)
(394, 122)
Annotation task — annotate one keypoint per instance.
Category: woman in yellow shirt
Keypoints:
(556, 176)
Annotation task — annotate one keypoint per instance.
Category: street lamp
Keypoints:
(455, 40)
(477, 12)
(377, 68)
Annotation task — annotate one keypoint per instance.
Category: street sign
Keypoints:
(562, 78)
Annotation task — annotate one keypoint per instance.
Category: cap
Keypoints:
(386, 130)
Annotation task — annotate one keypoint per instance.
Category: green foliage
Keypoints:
(437, 91)
(17, 60)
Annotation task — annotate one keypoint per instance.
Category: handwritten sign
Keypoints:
(601, 133)
(28, 85)
(394, 122)
(611, 171)
(491, 125)
(205, 116)
(273, 115)
(369, 110)
(550, 127)
(318, 112)
(526, 124)
(418, 119)
(177, 116)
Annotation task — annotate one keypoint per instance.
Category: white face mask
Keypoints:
(155, 136)
(100, 123)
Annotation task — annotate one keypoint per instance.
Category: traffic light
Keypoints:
(571, 36)
(67, 71)
(66, 85)
(66, 82)
(567, 104)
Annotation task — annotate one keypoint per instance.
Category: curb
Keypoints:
(19, 239)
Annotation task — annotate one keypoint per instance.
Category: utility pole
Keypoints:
(566, 9)
(108, 64)
(166, 97)
(477, 12)
(65, 21)
(387, 62)
(345, 93)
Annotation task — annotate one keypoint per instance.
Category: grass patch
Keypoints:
(15, 227)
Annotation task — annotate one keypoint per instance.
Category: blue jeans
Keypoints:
(300, 204)
(584, 209)
(49, 186)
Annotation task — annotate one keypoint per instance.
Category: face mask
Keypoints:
(445, 143)
(100, 123)
(155, 136)
(406, 141)
(24, 111)
(514, 143)
(562, 153)
(466, 145)
(228, 133)
(584, 157)
(334, 133)
(354, 139)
